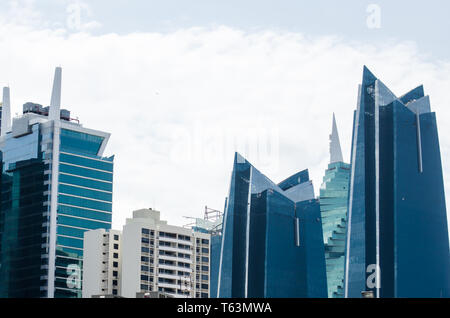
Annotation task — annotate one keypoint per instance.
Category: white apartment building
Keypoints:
(101, 263)
(153, 256)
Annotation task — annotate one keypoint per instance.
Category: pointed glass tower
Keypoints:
(397, 242)
(333, 209)
(55, 185)
(272, 242)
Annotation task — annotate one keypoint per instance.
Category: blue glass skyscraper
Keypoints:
(397, 242)
(333, 209)
(272, 243)
(55, 185)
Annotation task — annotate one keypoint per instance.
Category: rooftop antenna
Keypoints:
(55, 103)
(6, 112)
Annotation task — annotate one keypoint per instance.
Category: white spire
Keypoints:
(6, 112)
(55, 103)
(335, 145)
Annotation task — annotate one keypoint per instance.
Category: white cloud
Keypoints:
(203, 89)
(22, 12)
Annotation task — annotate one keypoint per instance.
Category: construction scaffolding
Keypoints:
(211, 222)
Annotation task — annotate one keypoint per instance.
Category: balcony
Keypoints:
(175, 267)
(175, 249)
(172, 240)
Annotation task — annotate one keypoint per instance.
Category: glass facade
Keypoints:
(397, 242)
(216, 241)
(272, 243)
(83, 201)
(1, 105)
(22, 215)
(333, 209)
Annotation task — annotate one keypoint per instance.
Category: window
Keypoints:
(182, 246)
(169, 235)
(145, 249)
(181, 264)
(205, 268)
(166, 280)
(145, 231)
(144, 277)
(205, 250)
(114, 282)
(204, 277)
(116, 246)
(184, 237)
(116, 255)
(166, 271)
(167, 262)
(205, 259)
(115, 264)
(114, 291)
(116, 237)
(115, 273)
(204, 286)
(205, 241)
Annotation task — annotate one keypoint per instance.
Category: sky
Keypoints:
(182, 85)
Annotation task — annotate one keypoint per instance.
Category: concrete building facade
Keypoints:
(102, 263)
(152, 256)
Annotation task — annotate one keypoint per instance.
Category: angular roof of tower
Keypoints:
(335, 145)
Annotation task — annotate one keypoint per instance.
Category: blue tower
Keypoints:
(55, 185)
(397, 242)
(333, 209)
(272, 243)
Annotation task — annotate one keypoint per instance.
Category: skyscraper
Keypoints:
(397, 242)
(55, 185)
(272, 244)
(333, 209)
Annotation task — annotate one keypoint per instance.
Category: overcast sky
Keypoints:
(181, 85)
